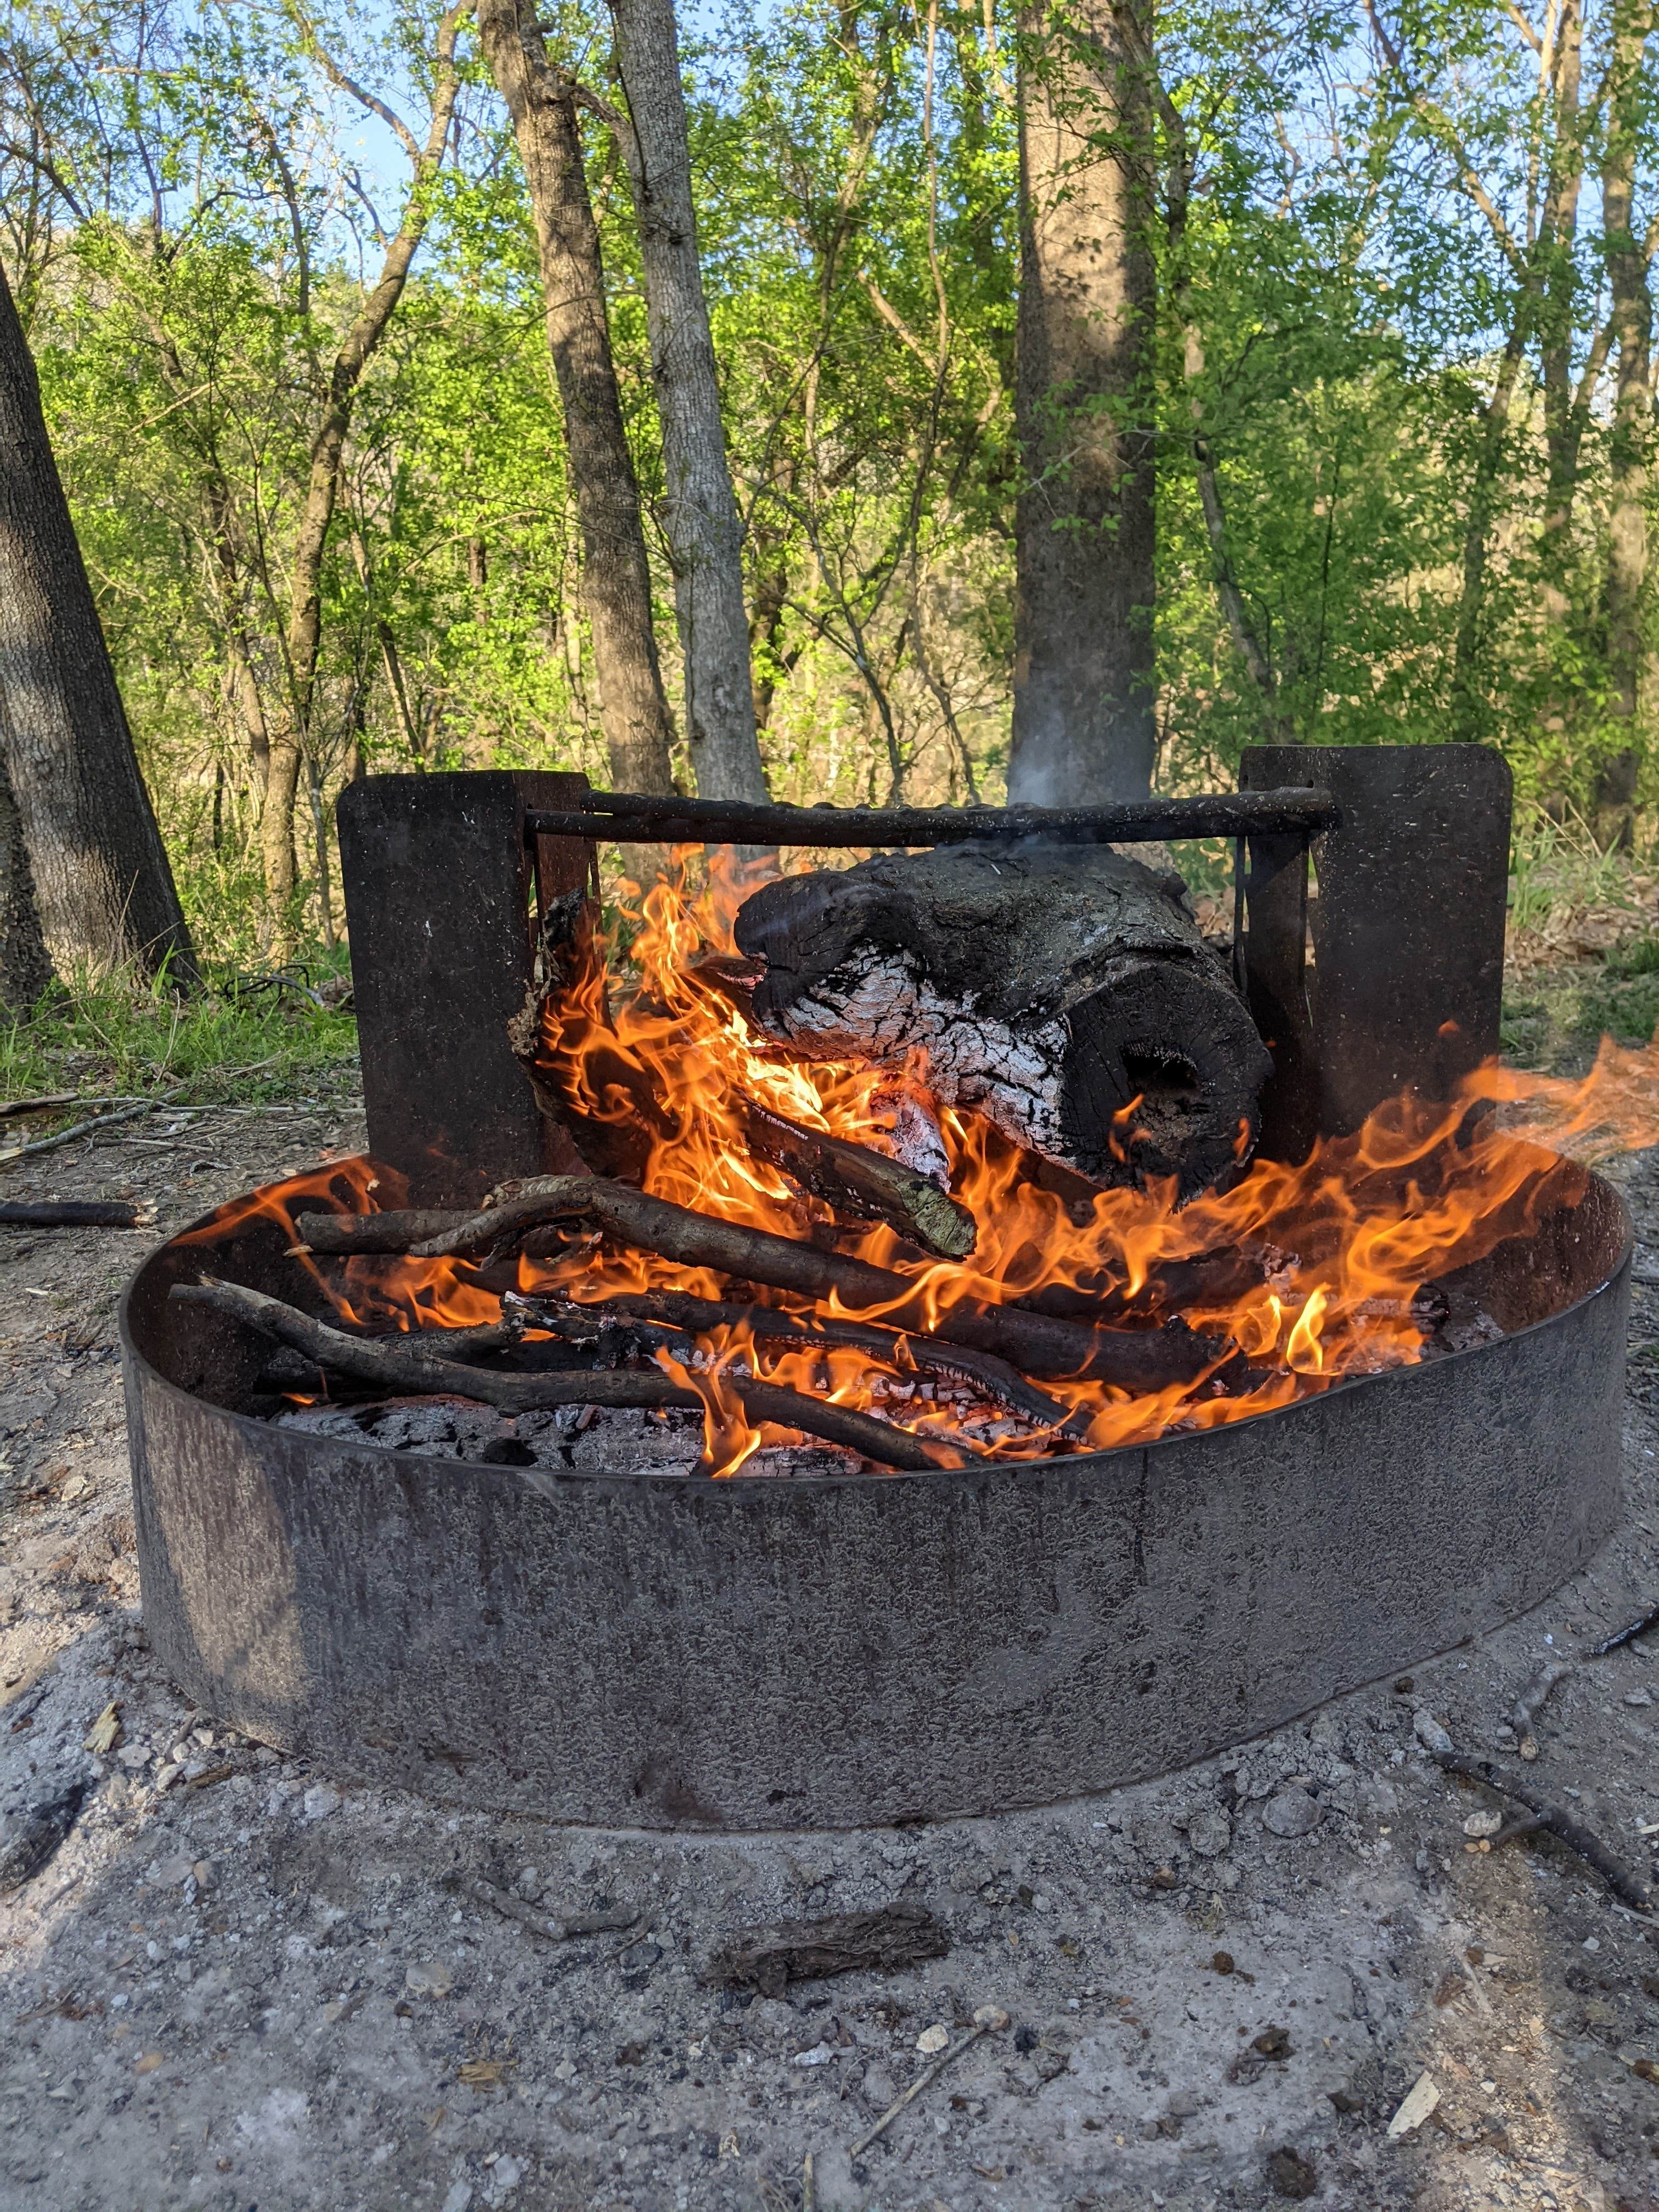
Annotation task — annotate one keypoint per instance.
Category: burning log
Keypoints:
(391, 1231)
(1038, 1344)
(853, 1179)
(1064, 992)
(396, 1364)
(904, 1351)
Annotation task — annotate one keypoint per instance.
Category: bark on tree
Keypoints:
(1631, 451)
(699, 511)
(1064, 992)
(615, 574)
(289, 727)
(101, 878)
(1083, 727)
(25, 964)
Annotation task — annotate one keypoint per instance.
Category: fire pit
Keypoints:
(1355, 1409)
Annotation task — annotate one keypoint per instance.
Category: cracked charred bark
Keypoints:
(1063, 992)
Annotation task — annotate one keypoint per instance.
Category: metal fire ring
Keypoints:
(765, 1653)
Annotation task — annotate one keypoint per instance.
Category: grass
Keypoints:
(246, 1039)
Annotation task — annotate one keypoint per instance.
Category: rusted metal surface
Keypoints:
(439, 881)
(1407, 932)
(768, 1653)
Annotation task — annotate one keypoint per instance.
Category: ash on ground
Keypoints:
(1290, 1974)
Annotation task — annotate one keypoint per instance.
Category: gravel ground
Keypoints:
(239, 1984)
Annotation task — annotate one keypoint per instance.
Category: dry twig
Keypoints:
(543, 1924)
(987, 2019)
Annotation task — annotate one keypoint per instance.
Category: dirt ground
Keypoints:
(239, 1984)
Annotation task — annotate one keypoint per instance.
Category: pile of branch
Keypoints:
(1135, 1359)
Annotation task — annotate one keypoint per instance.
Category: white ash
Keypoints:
(878, 1006)
(915, 1140)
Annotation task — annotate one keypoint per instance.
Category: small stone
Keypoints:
(168, 1872)
(205, 1873)
(1290, 1812)
(166, 1775)
(264, 1756)
(1485, 1823)
(528, 1884)
(1637, 1697)
(319, 1801)
(459, 2197)
(132, 1756)
(1290, 2175)
(1149, 2130)
(1223, 1962)
(819, 2055)
(75, 1489)
(1273, 2042)
(991, 2016)
(1528, 1748)
(1183, 2103)
(932, 2040)
(431, 1978)
(728, 2145)
(1209, 1832)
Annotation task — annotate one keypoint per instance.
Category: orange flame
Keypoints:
(654, 1050)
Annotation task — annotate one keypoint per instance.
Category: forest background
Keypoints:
(1399, 402)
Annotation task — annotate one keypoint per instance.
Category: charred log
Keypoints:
(397, 1364)
(1064, 992)
(1134, 1359)
(855, 1180)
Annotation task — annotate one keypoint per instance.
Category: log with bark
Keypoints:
(1037, 1344)
(397, 1364)
(1065, 992)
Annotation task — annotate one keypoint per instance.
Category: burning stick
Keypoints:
(396, 1363)
(855, 1179)
(900, 1349)
(1135, 1359)
(372, 1232)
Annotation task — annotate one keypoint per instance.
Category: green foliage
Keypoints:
(117, 1036)
(190, 227)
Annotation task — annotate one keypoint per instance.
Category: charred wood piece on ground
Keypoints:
(1132, 1360)
(396, 1363)
(767, 1959)
(1064, 992)
(906, 1352)
(71, 1213)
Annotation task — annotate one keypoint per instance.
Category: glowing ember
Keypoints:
(1309, 1272)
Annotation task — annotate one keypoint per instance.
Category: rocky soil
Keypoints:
(241, 1983)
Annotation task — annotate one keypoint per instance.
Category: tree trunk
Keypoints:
(616, 575)
(25, 965)
(1064, 992)
(290, 728)
(1084, 727)
(100, 871)
(1631, 446)
(1564, 412)
(700, 514)
(1467, 717)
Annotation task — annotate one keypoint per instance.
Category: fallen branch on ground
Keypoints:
(397, 1365)
(1627, 1634)
(767, 1959)
(89, 1128)
(73, 1214)
(543, 1924)
(987, 2021)
(1526, 1706)
(1627, 1887)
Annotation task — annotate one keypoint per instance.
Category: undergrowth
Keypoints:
(243, 1037)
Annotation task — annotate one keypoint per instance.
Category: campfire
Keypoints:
(939, 1337)
(819, 1252)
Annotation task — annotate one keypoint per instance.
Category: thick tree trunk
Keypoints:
(1466, 716)
(25, 964)
(1083, 727)
(1631, 452)
(700, 513)
(1063, 992)
(615, 574)
(100, 871)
